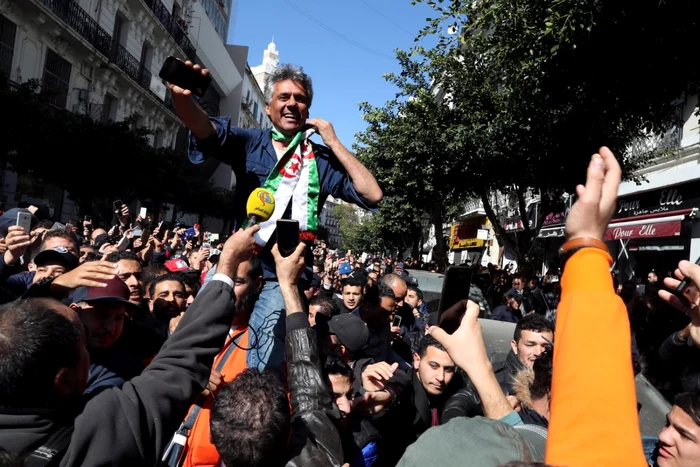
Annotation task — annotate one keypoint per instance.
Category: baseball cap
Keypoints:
(399, 265)
(177, 265)
(101, 240)
(344, 268)
(514, 293)
(351, 331)
(60, 255)
(359, 274)
(115, 292)
(487, 442)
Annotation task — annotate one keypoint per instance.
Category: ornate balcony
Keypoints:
(175, 26)
(80, 21)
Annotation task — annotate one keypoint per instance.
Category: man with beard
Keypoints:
(198, 449)
(167, 298)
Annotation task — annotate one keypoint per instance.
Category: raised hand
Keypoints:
(597, 200)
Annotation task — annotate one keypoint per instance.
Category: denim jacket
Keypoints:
(252, 157)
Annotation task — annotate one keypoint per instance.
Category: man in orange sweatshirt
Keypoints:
(594, 417)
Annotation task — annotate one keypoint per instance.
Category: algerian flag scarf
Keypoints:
(294, 178)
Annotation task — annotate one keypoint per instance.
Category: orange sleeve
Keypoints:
(594, 417)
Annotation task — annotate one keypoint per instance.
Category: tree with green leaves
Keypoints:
(538, 86)
(414, 148)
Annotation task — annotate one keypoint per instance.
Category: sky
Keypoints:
(343, 74)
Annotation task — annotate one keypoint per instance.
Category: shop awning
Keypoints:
(646, 226)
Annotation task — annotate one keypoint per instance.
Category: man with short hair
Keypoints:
(43, 371)
(414, 299)
(321, 305)
(250, 422)
(119, 348)
(360, 438)
(130, 271)
(353, 291)
(423, 401)
(198, 448)
(299, 173)
(167, 298)
(678, 444)
(533, 336)
(509, 312)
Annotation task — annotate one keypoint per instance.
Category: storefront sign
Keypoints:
(465, 235)
(652, 230)
(667, 199)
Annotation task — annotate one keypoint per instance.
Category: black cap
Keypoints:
(101, 240)
(360, 274)
(59, 255)
(351, 331)
(514, 293)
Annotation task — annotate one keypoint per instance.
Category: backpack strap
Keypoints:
(52, 451)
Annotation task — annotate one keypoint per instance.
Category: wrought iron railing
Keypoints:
(145, 78)
(175, 26)
(79, 20)
(124, 60)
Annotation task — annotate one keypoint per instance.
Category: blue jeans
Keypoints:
(267, 330)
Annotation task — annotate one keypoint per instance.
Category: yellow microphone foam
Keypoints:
(261, 204)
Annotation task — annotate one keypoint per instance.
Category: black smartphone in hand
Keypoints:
(175, 72)
(287, 236)
(455, 287)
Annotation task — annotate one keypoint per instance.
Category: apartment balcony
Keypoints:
(79, 20)
(131, 66)
(174, 25)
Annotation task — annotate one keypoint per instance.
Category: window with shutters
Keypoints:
(56, 78)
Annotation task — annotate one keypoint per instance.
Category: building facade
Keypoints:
(329, 221)
(102, 58)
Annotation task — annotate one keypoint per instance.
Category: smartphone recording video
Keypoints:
(455, 287)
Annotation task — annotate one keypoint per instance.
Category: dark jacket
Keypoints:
(361, 442)
(315, 439)
(132, 425)
(684, 359)
(411, 416)
(466, 402)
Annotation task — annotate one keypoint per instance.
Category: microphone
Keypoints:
(260, 206)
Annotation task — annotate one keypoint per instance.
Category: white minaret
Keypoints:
(271, 59)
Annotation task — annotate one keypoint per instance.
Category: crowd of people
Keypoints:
(175, 348)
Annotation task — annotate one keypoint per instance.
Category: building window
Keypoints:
(56, 78)
(138, 122)
(8, 31)
(158, 138)
(109, 108)
(121, 31)
(255, 110)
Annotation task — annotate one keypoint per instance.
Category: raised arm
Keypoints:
(593, 391)
(139, 419)
(362, 179)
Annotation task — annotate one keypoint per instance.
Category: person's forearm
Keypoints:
(494, 402)
(362, 179)
(593, 389)
(196, 119)
(292, 299)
